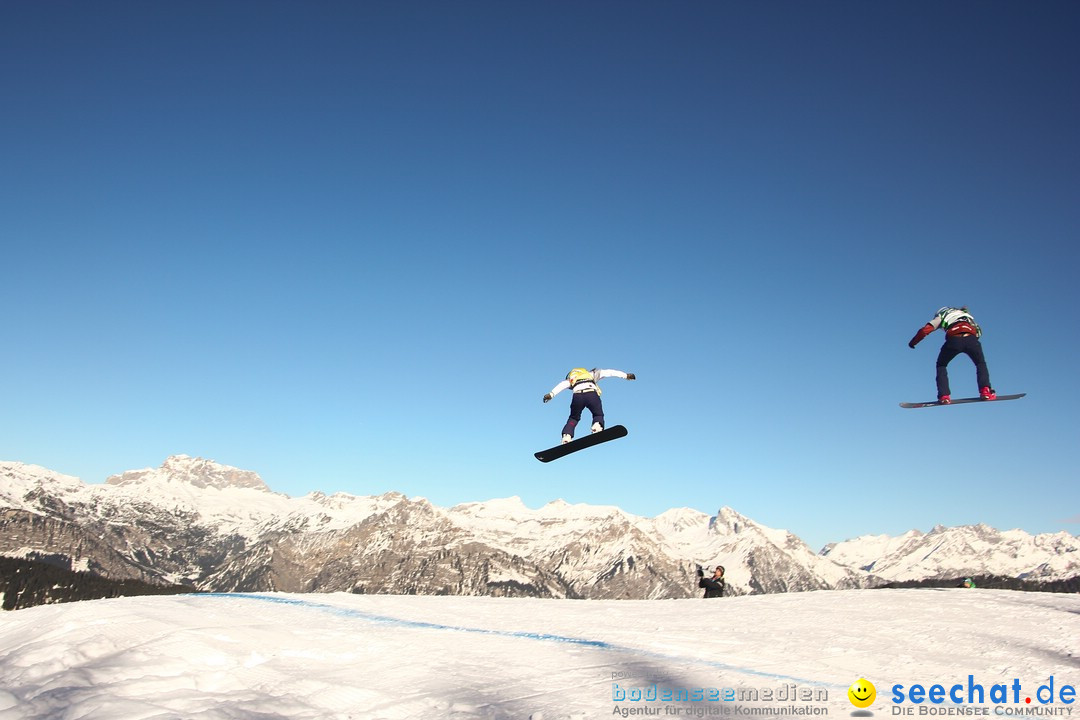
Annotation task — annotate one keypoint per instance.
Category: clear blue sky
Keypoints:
(351, 245)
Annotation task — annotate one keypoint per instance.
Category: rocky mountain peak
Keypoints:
(195, 471)
(729, 522)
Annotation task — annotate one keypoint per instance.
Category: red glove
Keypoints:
(923, 332)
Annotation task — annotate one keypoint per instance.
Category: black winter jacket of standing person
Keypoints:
(714, 588)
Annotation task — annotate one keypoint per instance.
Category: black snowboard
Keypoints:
(611, 433)
(960, 401)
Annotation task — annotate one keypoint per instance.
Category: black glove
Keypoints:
(631, 376)
(547, 397)
(700, 572)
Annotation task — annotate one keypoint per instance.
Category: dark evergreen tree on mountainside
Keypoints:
(994, 582)
(26, 583)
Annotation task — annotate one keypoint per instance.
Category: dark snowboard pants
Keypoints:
(954, 345)
(579, 402)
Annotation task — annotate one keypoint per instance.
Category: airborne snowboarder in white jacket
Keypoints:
(586, 394)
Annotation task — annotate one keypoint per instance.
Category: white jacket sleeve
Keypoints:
(609, 373)
(560, 387)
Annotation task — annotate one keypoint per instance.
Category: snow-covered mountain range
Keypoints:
(215, 527)
(967, 550)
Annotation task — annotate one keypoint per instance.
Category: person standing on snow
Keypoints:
(962, 335)
(586, 394)
(714, 586)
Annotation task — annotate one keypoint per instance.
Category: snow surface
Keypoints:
(272, 656)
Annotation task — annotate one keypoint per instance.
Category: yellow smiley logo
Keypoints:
(861, 693)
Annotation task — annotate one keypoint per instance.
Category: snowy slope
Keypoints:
(338, 657)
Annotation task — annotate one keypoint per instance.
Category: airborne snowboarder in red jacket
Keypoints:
(962, 335)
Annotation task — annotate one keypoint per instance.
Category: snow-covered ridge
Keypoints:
(219, 527)
(964, 550)
(230, 499)
(20, 483)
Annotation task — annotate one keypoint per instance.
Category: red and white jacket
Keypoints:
(955, 321)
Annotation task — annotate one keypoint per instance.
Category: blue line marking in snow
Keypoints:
(416, 624)
(520, 634)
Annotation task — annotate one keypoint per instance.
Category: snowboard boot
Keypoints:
(597, 427)
(944, 399)
(566, 439)
(987, 393)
